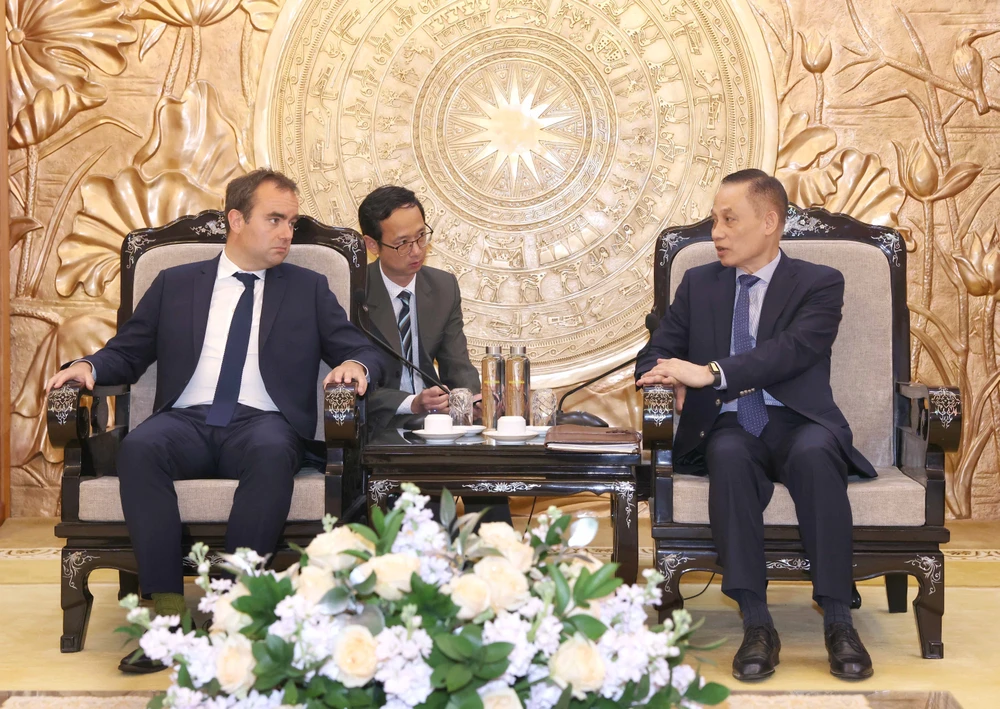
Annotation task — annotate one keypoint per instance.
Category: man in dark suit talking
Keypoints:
(746, 343)
(238, 342)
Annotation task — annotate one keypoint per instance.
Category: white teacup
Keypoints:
(437, 423)
(510, 424)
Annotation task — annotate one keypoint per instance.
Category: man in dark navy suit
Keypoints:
(746, 343)
(238, 342)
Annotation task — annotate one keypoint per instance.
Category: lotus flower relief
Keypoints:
(980, 268)
(919, 174)
(192, 152)
(51, 47)
(186, 13)
(799, 154)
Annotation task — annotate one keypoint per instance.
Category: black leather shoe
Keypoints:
(848, 657)
(140, 665)
(758, 655)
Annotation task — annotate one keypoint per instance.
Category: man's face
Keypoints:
(745, 235)
(404, 224)
(264, 239)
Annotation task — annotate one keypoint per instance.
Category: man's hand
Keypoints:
(349, 371)
(430, 401)
(695, 376)
(80, 372)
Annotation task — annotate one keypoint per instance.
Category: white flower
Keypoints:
(578, 663)
(225, 618)
(327, 549)
(471, 594)
(512, 628)
(403, 671)
(392, 574)
(354, 656)
(544, 695)
(508, 586)
(183, 698)
(312, 583)
(234, 664)
(681, 677)
(495, 533)
(497, 695)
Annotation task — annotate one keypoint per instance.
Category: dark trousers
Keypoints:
(258, 448)
(804, 457)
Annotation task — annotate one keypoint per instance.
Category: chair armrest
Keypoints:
(77, 421)
(658, 416)
(945, 418)
(340, 415)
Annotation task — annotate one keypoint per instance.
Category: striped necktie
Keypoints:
(751, 411)
(405, 331)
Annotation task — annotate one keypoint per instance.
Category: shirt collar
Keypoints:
(394, 288)
(766, 273)
(227, 268)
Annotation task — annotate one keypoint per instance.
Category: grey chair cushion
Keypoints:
(202, 500)
(322, 259)
(861, 375)
(890, 500)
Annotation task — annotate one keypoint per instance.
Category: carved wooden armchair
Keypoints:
(904, 429)
(92, 521)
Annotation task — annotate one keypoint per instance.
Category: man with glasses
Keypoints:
(417, 310)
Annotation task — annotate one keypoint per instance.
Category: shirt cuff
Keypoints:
(722, 385)
(406, 407)
(367, 377)
(93, 369)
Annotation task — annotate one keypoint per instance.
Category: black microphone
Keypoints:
(360, 298)
(652, 323)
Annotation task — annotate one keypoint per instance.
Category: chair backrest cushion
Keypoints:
(862, 376)
(322, 259)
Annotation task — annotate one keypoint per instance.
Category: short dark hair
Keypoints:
(762, 187)
(240, 191)
(380, 203)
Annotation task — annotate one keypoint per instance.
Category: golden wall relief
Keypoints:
(550, 139)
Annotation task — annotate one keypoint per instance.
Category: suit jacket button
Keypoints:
(718, 402)
(701, 434)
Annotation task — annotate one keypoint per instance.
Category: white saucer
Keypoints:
(470, 430)
(538, 430)
(452, 435)
(497, 436)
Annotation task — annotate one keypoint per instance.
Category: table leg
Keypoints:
(625, 524)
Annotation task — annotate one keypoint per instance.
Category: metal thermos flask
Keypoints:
(493, 386)
(517, 397)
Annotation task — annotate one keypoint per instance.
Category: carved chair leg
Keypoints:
(672, 566)
(128, 582)
(855, 597)
(625, 523)
(929, 605)
(76, 598)
(895, 592)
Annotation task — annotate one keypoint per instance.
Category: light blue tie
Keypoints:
(750, 409)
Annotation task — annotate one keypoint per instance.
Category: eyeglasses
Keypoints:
(406, 247)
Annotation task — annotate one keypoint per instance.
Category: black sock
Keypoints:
(835, 611)
(754, 609)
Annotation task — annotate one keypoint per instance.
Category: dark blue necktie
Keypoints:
(750, 409)
(227, 391)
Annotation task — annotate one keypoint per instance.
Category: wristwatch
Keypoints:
(713, 367)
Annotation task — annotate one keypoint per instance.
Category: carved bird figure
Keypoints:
(968, 64)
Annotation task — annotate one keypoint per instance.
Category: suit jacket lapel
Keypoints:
(428, 326)
(274, 291)
(723, 300)
(201, 302)
(779, 290)
(380, 310)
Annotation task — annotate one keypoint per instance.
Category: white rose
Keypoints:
(502, 698)
(508, 586)
(496, 533)
(225, 618)
(522, 556)
(313, 582)
(578, 663)
(354, 655)
(234, 665)
(471, 594)
(392, 574)
(327, 549)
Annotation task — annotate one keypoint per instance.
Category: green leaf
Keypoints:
(364, 531)
(458, 677)
(562, 588)
(358, 554)
(455, 647)
(588, 625)
(186, 622)
(367, 586)
(157, 701)
(335, 596)
(494, 652)
(440, 674)
(291, 695)
(599, 578)
(447, 509)
(491, 670)
(643, 689)
(564, 698)
(378, 520)
(711, 693)
(393, 523)
(466, 699)
(184, 677)
(580, 587)
(467, 523)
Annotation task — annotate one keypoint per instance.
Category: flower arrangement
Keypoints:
(416, 613)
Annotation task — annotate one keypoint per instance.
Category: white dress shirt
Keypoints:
(226, 294)
(410, 380)
(757, 292)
